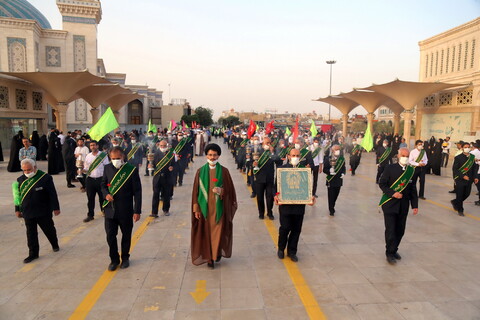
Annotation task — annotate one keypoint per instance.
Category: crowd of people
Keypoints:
(109, 173)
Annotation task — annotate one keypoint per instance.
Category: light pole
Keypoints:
(331, 63)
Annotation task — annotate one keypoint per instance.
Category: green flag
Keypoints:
(151, 127)
(313, 129)
(288, 132)
(105, 124)
(367, 141)
(257, 128)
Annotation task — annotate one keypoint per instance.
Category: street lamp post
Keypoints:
(330, 62)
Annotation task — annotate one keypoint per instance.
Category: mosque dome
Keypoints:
(22, 9)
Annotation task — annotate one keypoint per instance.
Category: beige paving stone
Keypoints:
(344, 275)
(116, 299)
(361, 293)
(107, 315)
(399, 291)
(241, 298)
(187, 303)
(198, 315)
(459, 310)
(339, 311)
(238, 279)
(258, 314)
(278, 297)
(420, 311)
(436, 291)
(379, 311)
(328, 293)
(286, 313)
(467, 289)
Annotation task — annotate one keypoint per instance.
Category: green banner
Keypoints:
(119, 180)
(385, 155)
(163, 162)
(399, 185)
(28, 184)
(133, 151)
(338, 167)
(284, 152)
(316, 152)
(262, 160)
(467, 165)
(96, 162)
(420, 156)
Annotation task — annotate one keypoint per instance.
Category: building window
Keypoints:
(459, 56)
(429, 101)
(4, 97)
(472, 60)
(431, 63)
(441, 63)
(21, 99)
(464, 97)
(447, 60)
(17, 54)
(436, 62)
(53, 56)
(37, 100)
(453, 59)
(445, 99)
(426, 66)
(466, 56)
(135, 120)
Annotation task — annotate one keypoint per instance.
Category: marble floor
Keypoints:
(341, 261)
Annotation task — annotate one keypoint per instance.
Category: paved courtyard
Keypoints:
(341, 273)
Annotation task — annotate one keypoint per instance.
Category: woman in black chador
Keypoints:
(15, 146)
(54, 159)
(42, 148)
(36, 142)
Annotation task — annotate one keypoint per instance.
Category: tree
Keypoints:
(204, 116)
(358, 126)
(381, 126)
(189, 118)
(229, 121)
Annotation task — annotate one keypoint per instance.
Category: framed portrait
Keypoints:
(294, 185)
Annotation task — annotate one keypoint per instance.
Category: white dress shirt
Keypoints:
(98, 172)
(414, 155)
(319, 158)
(83, 151)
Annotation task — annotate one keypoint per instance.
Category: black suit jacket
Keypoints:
(391, 173)
(267, 172)
(380, 151)
(41, 200)
(337, 181)
(164, 175)
(137, 157)
(123, 204)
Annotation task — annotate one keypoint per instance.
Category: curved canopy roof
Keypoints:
(22, 9)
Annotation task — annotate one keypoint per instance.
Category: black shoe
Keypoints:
(477, 203)
(70, 186)
(211, 264)
(453, 205)
(271, 217)
(113, 266)
(451, 191)
(397, 256)
(180, 184)
(153, 215)
(253, 195)
(280, 254)
(315, 196)
(332, 212)
(125, 264)
(460, 213)
(166, 213)
(29, 259)
(218, 259)
(293, 257)
(423, 198)
(88, 219)
(391, 259)
(56, 249)
(353, 174)
(261, 217)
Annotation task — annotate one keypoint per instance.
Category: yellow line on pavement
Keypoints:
(92, 297)
(306, 295)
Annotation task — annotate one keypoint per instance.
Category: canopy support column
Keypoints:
(396, 123)
(370, 117)
(407, 125)
(61, 116)
(95, 115)
(344, 124)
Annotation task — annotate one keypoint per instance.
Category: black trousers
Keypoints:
(182, 165)
(462, 192)
(94, 187)
(289, 231)
(379, 172)
(420, 175)
(395, 223)
(111, 228)
(82, 180)
(445, 157)
(315, 179)
(162, 189)
(48, 228)
(333, 193)
(264, 192)
(70, 175)
(354, 165)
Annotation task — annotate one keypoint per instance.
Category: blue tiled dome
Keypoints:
(22, 9)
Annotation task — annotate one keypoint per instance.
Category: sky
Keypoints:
(258, 55)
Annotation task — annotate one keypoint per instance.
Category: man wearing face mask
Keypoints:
(306, 160)
(317, 157)
(465, 173)
(134, 152)
(291, 217)
(122, 190)
(399, 192)
(334, 168)
(418, 159)
(182, 155)
(35, 200)
(383, 158)
(163, 178)
(355, 156)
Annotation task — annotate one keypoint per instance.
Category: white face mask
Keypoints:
(163, 149)
(114, 144)
(385, 145)
(266, 147)
(297, 146)
(294, 160)
(29, 175)
(117, 163)
(244, 137)
(134, 141)
(256, 142)
(212, 162)
(354, 143)
(281, 145)
(403, 161)
(336, 153)
(466, 150)
(420, 147)
(315, 144)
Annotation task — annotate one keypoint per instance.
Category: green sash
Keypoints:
(284, 152)
(204, 187)
(303, 153)
(96, 162)
(119, 180)
(133, 151)
(420, 155)
(244, 142)
(163, 162)
(28, 184)
(467, 165)
(385, 155)
(274, 143)
(155, 139)
(355, 150)
(338, 167)
(316, 152)
(180, 145)
(399, 185)
(262, 160)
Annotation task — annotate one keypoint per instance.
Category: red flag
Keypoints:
(251, 129)
(183, 125)
(295, 130)
(270, 127)
(194, 125)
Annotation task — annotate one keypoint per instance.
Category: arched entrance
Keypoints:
(135, 112)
